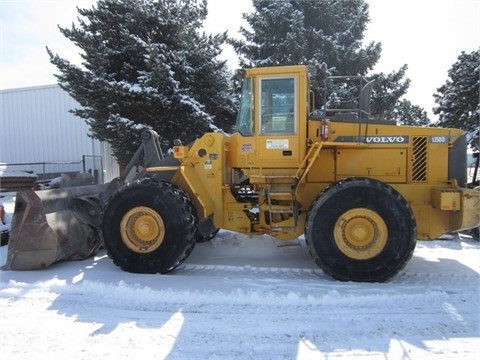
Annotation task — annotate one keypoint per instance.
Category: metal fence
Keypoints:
(12, 175)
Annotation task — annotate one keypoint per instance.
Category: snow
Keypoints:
(241, 297)
(7, 200)
(14, 173)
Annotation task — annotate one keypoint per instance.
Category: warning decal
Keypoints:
(277, 144)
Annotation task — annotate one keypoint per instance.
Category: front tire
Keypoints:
(149, 226)
(360, 229)
(201, 239)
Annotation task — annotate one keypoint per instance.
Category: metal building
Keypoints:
(40, 135)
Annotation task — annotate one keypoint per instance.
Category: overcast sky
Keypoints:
(427, 35)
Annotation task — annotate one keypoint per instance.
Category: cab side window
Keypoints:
(277, 106)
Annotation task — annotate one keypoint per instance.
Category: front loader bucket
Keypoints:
(53, 225)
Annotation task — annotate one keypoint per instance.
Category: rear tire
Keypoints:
(360, 229)
(475, 232)
(149, 227)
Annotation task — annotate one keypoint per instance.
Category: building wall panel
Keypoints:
(37, 127)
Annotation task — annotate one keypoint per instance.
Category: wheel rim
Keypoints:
(142, 229)
(360, 233)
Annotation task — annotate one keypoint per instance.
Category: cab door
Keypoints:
(278, 129)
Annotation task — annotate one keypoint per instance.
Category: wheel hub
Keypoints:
(142, 229)
(360, 233)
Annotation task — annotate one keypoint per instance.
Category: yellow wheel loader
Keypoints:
(361, 191)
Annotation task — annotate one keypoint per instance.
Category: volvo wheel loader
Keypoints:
(361, 191)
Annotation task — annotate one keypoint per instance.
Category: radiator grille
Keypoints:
(419, 165)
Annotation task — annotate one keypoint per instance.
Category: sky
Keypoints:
(427, 35)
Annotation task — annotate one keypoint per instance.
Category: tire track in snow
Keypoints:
(424, 279)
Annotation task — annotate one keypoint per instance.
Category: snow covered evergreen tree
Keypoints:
(458, 99)
(405, 113)
(327, 34)
(147, 65)
(386, 92)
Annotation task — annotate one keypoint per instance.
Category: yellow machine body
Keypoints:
(288, 158)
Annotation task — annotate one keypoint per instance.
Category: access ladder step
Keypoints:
(281, 211)
(283, 228)
(273, 179)
(274, 195)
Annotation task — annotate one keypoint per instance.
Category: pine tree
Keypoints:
(147, 65)
(387, 91)
(326, 34)
(323, 33)
(458, 99)
(406, 113)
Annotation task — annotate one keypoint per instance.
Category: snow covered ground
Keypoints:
(240, 297)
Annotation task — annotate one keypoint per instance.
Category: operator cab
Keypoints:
(272, 118)
(277, 113)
